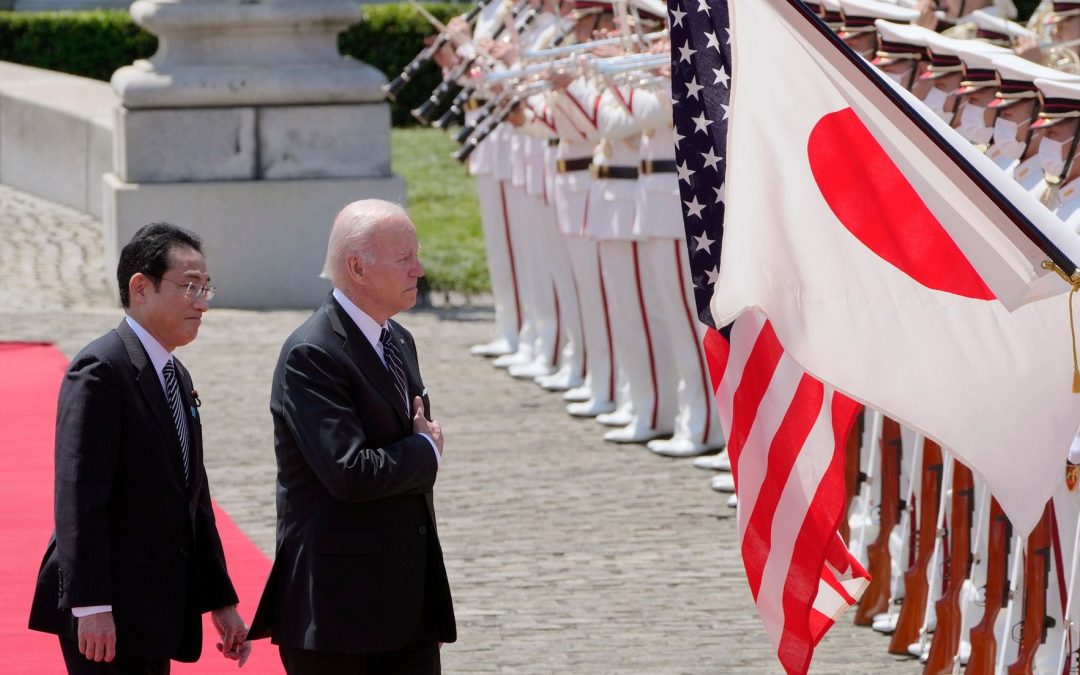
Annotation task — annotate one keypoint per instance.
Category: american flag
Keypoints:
(786, 430)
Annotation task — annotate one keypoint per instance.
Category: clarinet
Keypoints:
(490, 124)
(448, 85)
(469, 128)
(457, 107)
(410, 71)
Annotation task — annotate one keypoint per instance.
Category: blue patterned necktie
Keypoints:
(176, 406)
(396, 367)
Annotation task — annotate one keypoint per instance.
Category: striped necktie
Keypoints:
(394, 364)
(176, 406)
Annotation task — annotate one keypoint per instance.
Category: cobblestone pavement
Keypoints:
(566, 554)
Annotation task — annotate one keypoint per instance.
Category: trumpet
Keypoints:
(622, 64)
(566, 50)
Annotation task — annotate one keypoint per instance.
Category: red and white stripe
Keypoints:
(786, 439)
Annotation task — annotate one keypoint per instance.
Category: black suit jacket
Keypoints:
(129, 532)
(358, 561)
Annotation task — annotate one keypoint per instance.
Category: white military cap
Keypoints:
(996, 29)
(978, 61)
(944, 55)
(1018, 75)
(860, 15)
(901, 41)
(1060, 101)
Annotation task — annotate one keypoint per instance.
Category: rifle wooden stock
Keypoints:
(875, 598)
(946, 642)
(1036, 575)
(853, 476)
(916, 584)
(983, 642)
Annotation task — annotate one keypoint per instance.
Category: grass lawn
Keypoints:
(442, 203)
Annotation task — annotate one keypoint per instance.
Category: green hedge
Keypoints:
(96, 43)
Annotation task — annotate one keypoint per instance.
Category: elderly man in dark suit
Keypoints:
(136, 557)
(358, 584)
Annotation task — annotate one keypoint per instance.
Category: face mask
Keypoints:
(1051, 156)
(935, 100)
(972, 126)
(1005, 142)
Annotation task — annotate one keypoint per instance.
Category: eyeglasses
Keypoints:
(194, 291)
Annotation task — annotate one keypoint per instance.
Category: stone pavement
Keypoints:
(566, 554)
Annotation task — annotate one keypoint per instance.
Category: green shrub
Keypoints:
(90, 44)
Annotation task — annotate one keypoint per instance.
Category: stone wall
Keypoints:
(56, 135)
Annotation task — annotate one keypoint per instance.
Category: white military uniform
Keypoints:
(663, 249)
(642, 348)
(493, 209)
(573, 114)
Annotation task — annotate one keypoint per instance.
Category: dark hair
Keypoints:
(148, 252)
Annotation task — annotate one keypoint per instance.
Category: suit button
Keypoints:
(422, 530)
(183, 551)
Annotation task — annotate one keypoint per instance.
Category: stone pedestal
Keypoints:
(249, 128)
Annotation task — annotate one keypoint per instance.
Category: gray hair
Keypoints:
(352, 233)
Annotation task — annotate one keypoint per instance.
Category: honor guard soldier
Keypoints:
(902, 52)
(663, 248)
(860, 31)
(1058, 120)
(1018, 89)
(978, 88)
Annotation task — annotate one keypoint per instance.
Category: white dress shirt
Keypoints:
(373, 331)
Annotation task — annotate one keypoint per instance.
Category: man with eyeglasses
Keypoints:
(135, 558)
(358, 584)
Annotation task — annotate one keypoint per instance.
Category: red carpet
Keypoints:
(30, 376)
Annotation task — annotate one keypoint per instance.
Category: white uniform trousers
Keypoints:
(642, 348)
(501, 263)
(667, 274)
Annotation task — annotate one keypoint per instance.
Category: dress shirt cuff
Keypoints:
(438, 455)
(80, 612)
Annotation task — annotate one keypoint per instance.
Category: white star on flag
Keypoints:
(693, 208)
(713, 41)
(703, 6)
(684, 172)
(727, 108)
(701, 122)
(685, 52)
(678, 136)
(721, 76)
(703, 243)
(710, 158)
(713, 275)
(692, 88)
(719, 193)
(677, 17)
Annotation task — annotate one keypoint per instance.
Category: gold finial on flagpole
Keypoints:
(1074, 285)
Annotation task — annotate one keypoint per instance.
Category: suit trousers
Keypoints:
(420, 658)
(125, 663)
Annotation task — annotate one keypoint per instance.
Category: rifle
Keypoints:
(1036, 576)
(1066, 652)
(853, 475)
(916, 585)
(946, 642)
(983, 642)
(875, 598)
